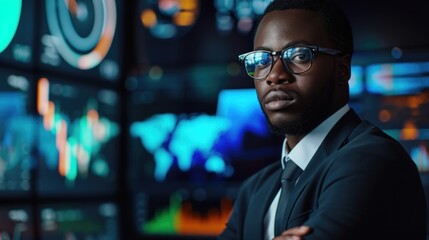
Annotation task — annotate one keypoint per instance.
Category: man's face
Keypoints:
(296, 103)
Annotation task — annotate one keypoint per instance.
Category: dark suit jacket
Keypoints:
(360, 184)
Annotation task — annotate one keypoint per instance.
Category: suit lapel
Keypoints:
(259, 205)
(333, 141)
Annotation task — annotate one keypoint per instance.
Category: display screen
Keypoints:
(405, 119)
(192, 138)
(398, 78)
(18, 133)
(182, 212)
(181, 33)
(79, 138)
(400, 105)
(17, 32)
(356, 84)
(16, 222)
(191, 143)
(79, 221)
(81, 37)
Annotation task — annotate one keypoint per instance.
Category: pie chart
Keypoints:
(82, 30)
(10, 13)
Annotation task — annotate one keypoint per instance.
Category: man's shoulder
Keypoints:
(367, 134)
(370, 145)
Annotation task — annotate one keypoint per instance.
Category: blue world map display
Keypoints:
(186, 142)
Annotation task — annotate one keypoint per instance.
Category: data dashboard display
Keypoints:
(81, 37)
(79, 134)
(356, 83)
(188, 132)
(17, 133)
(181, 33)
(16, 222)
(79, 221)
(181, 212)
(400, 91)
(17, 32)
(191, 143)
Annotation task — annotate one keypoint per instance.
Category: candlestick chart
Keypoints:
(78, 129)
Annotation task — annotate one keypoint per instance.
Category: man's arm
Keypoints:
(296, 233)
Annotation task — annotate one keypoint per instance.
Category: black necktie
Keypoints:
(290, 174)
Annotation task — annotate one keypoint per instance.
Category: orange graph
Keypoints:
(191, 223)
(182, 218)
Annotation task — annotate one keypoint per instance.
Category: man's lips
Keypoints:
(277, 100)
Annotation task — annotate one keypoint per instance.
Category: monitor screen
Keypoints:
(191, 144)
(79, 138)
(397, 78)
(181, 212)
(399, 105)
(79, 221)
(81, 37)
(356, 84)
(16, 222)
(17, 133)
(193, 136)
(17, 32)
(404, 118)
(175, 34)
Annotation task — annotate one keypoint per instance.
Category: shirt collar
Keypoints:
(304, 151)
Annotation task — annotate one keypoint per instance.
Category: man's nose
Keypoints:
(279, 74)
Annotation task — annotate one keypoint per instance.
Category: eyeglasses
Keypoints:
(297, 59)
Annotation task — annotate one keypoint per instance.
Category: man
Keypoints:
(350, 180)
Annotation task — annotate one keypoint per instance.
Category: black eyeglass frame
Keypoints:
(313, 49)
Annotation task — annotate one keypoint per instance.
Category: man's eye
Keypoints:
(300, 57)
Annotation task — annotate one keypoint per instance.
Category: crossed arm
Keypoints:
(296, 233)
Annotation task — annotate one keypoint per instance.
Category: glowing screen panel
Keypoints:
(17, 133)
(397, 78)
(191, 143)
(356, 84)
(183, 32)
(78, 138)
(400, 92)
(183, 212)
(16, 222)
(79, 221)
(81, 37)
(174, 146)
(16, 31)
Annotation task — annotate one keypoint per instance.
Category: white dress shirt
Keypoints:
(301, 154)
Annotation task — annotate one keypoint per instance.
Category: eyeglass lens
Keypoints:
(258, 64)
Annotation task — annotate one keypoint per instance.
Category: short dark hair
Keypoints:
(336, 22)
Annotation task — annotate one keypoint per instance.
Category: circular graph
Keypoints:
(82, 30)
(10, 12)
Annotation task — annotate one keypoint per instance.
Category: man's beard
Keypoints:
(302, 125)
(307, 120)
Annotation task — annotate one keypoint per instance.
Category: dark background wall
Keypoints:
(146, 128)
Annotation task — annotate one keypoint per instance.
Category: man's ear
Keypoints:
(344, 71)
